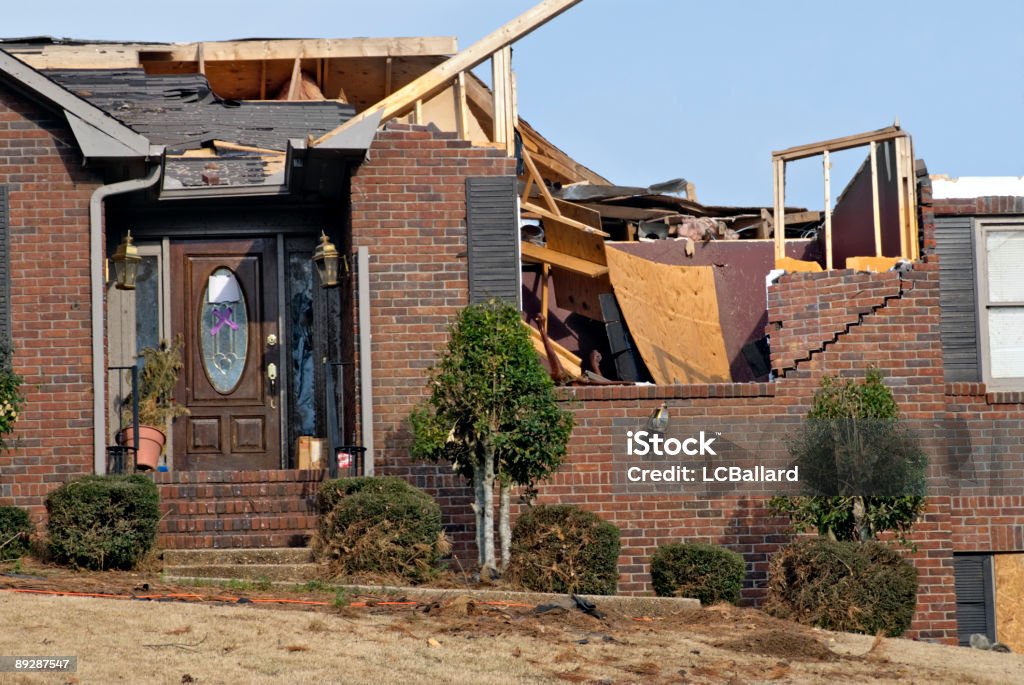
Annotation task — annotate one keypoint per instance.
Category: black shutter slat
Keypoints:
(958, 324)
(975, 606)
(493, 239)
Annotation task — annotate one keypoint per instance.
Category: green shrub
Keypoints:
(103, 522)
(562, 548)
(705, 572)
(380, 526)
(15, 532)
(849, 586)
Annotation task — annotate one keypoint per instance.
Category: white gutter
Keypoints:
(97, 258)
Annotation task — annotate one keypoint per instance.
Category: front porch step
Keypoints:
(237, 509)
(272, 565)
(274, 573)
(237, 557)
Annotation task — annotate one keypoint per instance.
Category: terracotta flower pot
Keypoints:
(151, 445)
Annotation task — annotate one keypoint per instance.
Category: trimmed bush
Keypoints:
(849, 586)
(15, 532)
(379, 526)
(705, 572)
(562, 548)
(103, 522)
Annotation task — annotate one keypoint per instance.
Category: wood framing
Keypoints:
(908, 244)
(438, 78)
(544, 255)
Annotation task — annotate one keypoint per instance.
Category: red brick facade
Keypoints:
(49, 246)
(408, 207)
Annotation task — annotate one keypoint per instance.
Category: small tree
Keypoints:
(863, 470)
(493, 414)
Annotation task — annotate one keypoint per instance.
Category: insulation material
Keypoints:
(1009, 570)
(672, 313)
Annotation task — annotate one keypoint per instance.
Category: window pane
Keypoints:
(147, 304)
(1005, 251)
(224, 330)
(300, 293)
(1006, 341)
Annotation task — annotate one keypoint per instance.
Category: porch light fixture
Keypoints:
(126, 263)
(326, 258)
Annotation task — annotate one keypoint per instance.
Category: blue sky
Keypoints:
(647, 90)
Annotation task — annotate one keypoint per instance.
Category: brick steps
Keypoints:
(274, 565)
(236, 509)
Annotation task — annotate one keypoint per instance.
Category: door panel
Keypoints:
(225, 305)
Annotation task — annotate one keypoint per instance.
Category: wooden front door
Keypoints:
(225, 307)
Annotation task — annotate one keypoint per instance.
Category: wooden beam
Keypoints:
(201, 59)
(827, 168)
(295, 86)
(571, 364)
(779, 186)
(320, 73)
(439, 77)
(263, 79)
(875, 211)
(544, 255)
(836, 144)
(531, 169)
(387, 76)
(461, 107)
(417, 112)
(499, 133)
(627, 213)
(544, 299)
(529, 207)
(251, 50)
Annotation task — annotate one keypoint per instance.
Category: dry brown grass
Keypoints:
(458, 640)
(143, 642)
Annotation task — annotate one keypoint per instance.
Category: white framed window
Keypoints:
(1000, 273)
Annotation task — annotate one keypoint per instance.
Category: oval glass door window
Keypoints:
(224, 330)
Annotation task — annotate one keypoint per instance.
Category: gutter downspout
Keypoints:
(96, 263)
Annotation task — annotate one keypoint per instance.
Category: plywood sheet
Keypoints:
(580, 294)
(672, 313)
(1009, 569)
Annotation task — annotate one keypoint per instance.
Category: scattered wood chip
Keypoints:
(297, 648)
(431, 642)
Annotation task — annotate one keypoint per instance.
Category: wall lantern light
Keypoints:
(326, 259)
(126, 263)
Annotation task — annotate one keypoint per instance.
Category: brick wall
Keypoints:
(49, 242)
(408, 206)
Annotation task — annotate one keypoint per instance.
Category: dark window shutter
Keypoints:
(5, 269)
(975, 605)
(492, 217)
(954, 239)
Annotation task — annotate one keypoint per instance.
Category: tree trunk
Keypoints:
(860, 519)
(504, 527)
(478, 512)
(488, 566)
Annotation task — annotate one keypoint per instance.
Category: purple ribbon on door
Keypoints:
(223, 316)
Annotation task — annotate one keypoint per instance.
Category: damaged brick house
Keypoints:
(189, 148)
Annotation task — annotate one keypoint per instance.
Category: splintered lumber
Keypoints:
(438, 78)
(529, 207)
(572, 364)
(672, 313)
(544, 255)
(836, 144)
(793, 265)
(875, 264)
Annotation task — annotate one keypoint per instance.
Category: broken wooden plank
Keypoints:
(570, 361)
(296, 81)
(625, 213)
(544, 255)
(876, 214)
(529, 207)
(797, 265)
(439, 77)
(461, 108)
(532, 172)
(837, 144)
(827, 169)
(875, 264)
(672, 312)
